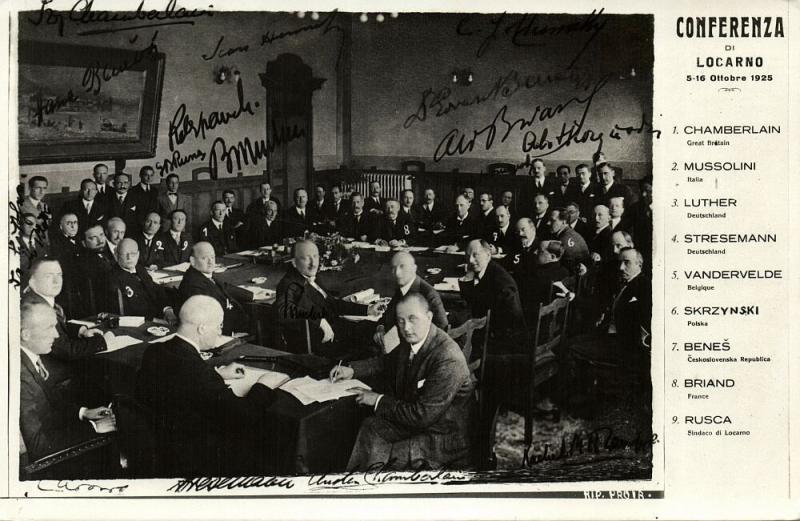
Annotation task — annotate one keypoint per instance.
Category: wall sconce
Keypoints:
(462, 77)
(225, 74)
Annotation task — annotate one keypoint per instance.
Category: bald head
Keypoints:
(201, 320)
(203, 258)
(38, 328)
(404, 268)
(306, 258)
(128, 254)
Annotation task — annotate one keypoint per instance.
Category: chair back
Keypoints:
(136, 436)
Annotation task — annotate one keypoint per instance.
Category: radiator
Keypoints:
(392, 184)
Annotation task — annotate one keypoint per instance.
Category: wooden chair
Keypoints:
(136, 438)
(548, 338)
(82, 460)
(501, 169)
(484, 420)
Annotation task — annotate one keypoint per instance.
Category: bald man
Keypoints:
(404, 271)
(199, 280)
(132, 292)
(301, 298)
(202, 428)
(50, 417)
(421, 407)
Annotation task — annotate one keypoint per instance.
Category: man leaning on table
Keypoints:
(421, 415)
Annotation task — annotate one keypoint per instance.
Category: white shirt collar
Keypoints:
(49, 300)
(112, 247)
(33, 357)
(217, 223)
(34, 202)
(601, 229)
(405, 289)
(175, 235)
(416, 347)
(483, 272)
(504, 229)
(490, 210)
(199, 351)
(209, 276)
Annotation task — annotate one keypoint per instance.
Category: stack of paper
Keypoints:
(120, 342)
(307, 390)
(158, 274)
(448, 284)
(241, 386)
(167, 280)
(383, 249)
(361, 318)
(182, 267)
(131, 321)
(258, 292)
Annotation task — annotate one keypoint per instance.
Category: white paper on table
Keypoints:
(182, 267)
(131, 321)
(158, 274)
(120, 342)
(259, 293)
(293, 387)
(363, 245)
(391, 340)
(167, 280)
(362, 296)
(83, 323)
(245, 252)
(499, 256)
(448, 284)
(162, 339)
(383, 248)
(322, 390)
(241, 386)
(414, 249)
(222, 340)
(457, 252)
(360, 318)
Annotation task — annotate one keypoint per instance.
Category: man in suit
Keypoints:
(50, 420)
(34, 203)
(461, 227)
(487, 286)
(375, 203)
(404, 269)
(584, 192)
(575, 249)
(171, 200)
(432, 214)
(65, 246)
(235, 216)
(422, 410)
(115, 232)
(474, 210)
(337, 208)
(301, 298)
(297, 219)
(103, 183)
(149, 249)
(408, 207)
(576, 222)
(73, 342)
(359, 223)
(564, 182)
(542, 184)
(144, 192)
(641, 219)
(602, 254)
(619, 217)
(95, 263)
(619, 241)
(267, 229)
(523, 259)
(89, 208)
(395, 228)
(258, 207)
(176, 242)
(124, 205)
(500, 236)
(507, 200)
(486, 215)
(31, 242)
(549, 269)
(201, 427)
(132, 292)
(610, 188)
(199, 280)
(318, 210)
(218, 231)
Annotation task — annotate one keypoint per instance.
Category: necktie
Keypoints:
(477, 280)
(409, 364)
(313, 283)
(121, 199)
(147, 243)
(59, 313)
(145, 188)
(88, 207)
(303, 214)
(42, 370)
(101, 189)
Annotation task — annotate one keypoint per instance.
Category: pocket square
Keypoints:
(420, 384)
(633, 299)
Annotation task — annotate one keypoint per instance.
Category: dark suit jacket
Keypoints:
(583, 230)
(48, 417)
(257, 208)
(401, 230)
(429, 400)
(137, 294)
(68, 346)
(94, 269)
(223, 241)
(129, 211)
(97, 215)
(586, 198)
(504, 241)
(148, 254)
(148, 201)
(297, 301)
(294, 224)
(262, 235)
(498, 291)
(362, 227)
(632, 312)
(461, 232)
(195, 283)
(337, 215)
(165, 206)
(201, 427)
(617, 190)
(551, 188)
(540, 285)
(318, 213)
(371, 204)
(576, 250)
(171, 252)
(488, 222)
(389, 318)
(429, 218)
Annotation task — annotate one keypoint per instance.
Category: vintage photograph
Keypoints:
(358, 248)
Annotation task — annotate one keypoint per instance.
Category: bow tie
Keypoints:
(170, 194)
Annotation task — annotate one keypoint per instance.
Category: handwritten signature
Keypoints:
(77, 486)
(382, 473)
(95, 75)
(210, 484)
(600, 440)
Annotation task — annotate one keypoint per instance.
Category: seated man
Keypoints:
(94, 264)
(64, 247)
(234, 216)
(267, 229)
(524, 257)
(404, 269)
(576, 222)
(410, 208)
(487, 286)
(432, 215)
(358, 224)
(131, 290)
(50, 416)
(422, 415)
(176, 242)
(549, 270)
(540, 206)
(500, 236)
(73, 342)
(375, 203)
(149, 248)
(575, 250)
(259, 206)
(318, 211)
(297, 219)
(199, 280)
(115, 232)
(301, 299)
(64, 241)
(395, 228)
(486, 216)
(462, 227)
(202, 428)
(610, 188)
(619, 217)
(219, 232)
(337, 208)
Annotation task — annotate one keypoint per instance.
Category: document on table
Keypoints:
(448, 284)
(361, 318)
(120, 342)
(167, 280)
(131, 321)
(363, 245)
(182, 267)
(308, 390)
(391, 340)
(158, 274)
(241, 386)
(258, 292)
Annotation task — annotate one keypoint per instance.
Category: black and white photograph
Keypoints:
(332, 252)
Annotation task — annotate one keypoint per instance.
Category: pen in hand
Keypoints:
(336, 373)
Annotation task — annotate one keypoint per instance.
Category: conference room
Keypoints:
(294, 243)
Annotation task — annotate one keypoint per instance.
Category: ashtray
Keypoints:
(434, 271)
(258, 280)
(158, 330)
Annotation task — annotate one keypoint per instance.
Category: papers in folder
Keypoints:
(182, 267)
(308, 390)
(120, 342)
(241, 386)
(448, 284)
